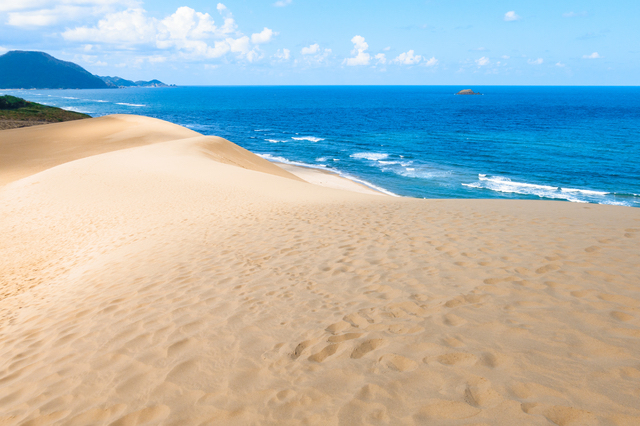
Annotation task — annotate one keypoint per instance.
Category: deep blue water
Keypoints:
(579, 144)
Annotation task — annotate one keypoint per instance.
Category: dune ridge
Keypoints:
(159, 283)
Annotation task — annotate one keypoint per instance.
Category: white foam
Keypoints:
(127, 104)
(583, 191)
(68, 97)
(371, 156)
(275, 140)
(321, 159)
(278, 159)
(506, 185)
(74, 109)
(307, 138)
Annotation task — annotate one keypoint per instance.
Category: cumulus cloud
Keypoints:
(594, 55)
(129, 26)
(431, 62)
(511, 16)
(282, 3)
(311, 50)
(408, 58)
(482, 61)
(560, 64)
(191, 33)
(3, 50)
(314, 55)
(283, 54)
(359, 50)
(262, 37)
(535, 61)
(381, 58)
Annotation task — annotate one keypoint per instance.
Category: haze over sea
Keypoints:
(579, 144)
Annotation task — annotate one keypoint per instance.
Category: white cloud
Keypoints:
(574, 14)
(386, 49)
(511, 16)
(314, 55)
(381, 58)
(594, 55)
(282, 3)
(156, 59)
(408, 58)
(506, 57)
(40, 13)
(239, 45)
(254, 55)
(482, 61)
(3, 50)
(431, 62)
(262, 37)
(560, 64)
(311, 50)
(193, 34)
(361, 57)
(283, 55)
(130, 26)
(8, 6)
(40, 18)
(535, 61)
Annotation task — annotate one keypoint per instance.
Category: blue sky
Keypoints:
(336, 42)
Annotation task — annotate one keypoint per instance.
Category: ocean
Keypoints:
(578, 144)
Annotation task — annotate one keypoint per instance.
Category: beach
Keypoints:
(153, 275)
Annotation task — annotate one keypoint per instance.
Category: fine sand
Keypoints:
(151, 275)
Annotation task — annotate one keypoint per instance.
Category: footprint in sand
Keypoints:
(324, 353)
(458, 359)
(366, 347)
(397, 362)
(453, 320)
(300, 348)
(480, 393)
(621, 316)
(338, 327)
(560, 415)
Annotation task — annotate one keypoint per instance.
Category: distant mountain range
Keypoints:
(121, 82)
(39, 70)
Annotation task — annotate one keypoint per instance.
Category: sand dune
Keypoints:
(177, 279)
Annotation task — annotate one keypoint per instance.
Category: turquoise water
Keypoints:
(579, 144)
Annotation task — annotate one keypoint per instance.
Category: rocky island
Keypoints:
(468, 92)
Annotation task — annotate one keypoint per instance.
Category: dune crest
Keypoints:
(160, 283)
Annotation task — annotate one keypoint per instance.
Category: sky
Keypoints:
(318, 42)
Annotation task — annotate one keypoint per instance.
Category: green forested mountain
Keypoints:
(38, 70)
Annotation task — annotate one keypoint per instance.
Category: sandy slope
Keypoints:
(158, 285)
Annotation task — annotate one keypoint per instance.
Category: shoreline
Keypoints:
(330, 179)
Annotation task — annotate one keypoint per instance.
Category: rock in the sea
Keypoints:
(467, 92)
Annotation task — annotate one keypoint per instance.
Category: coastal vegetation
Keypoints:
(16, 112)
